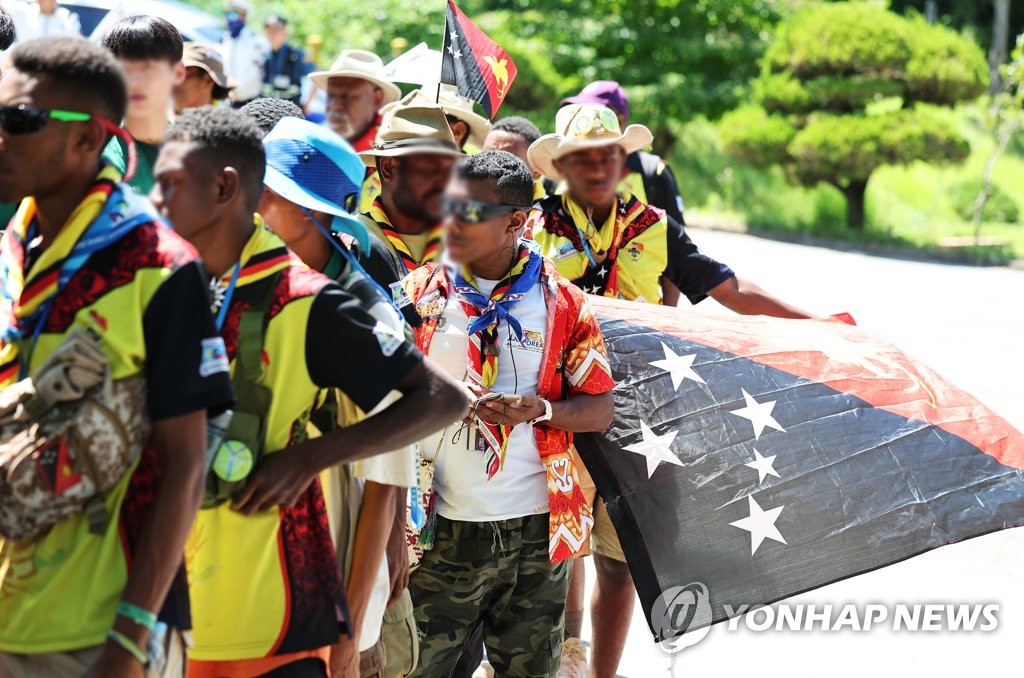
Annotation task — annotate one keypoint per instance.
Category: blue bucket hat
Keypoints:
(315, 168)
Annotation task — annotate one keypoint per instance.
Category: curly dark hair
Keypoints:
(521, 127)
(87, 75)
(228, 138)
(266, 112)
(138, 38)
(513, 181)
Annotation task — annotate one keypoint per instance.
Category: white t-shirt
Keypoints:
(520, 488)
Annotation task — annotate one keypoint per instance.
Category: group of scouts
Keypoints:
(365, 353)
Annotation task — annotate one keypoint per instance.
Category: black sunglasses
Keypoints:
(475, 211)
(22, 119)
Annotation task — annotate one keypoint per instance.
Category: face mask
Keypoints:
(235, 27)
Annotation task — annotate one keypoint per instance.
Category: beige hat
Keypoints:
(209, 59)
(458, 106)
(359, 63)
(582, 126)
(453, 104)
(413, 125)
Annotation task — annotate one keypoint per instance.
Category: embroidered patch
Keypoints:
(635, 250)
(566, 251)
(388, 338)
(399, 296)
(431, 305)
(214, 358)
(533, 340)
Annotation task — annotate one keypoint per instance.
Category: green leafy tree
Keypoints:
(677, 58)
(848, 87)
(1005, 119)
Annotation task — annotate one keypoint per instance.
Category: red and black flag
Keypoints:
(478, 67)
(752, 459)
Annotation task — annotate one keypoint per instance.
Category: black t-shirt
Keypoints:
(347, 348)
(659, 183)
(693, 272)
(180, 336)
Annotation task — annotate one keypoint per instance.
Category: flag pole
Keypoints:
(444, 34)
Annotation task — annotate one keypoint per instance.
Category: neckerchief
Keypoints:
(261, 258)
(485, 313)
(431, 253)
(602, 278)
(106, 214)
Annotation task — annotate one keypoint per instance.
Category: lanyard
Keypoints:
(586, 246)
(222, 312)
(350, 258)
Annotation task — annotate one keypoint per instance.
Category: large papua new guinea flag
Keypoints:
(757, 458)
(478, 67)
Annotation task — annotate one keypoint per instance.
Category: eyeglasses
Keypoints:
(585, 122)
(474, 211)
(22, 119)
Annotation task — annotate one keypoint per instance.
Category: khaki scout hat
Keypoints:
(582, 126)
(412, 126)
(209, 59)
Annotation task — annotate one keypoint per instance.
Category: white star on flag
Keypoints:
(760, 524)
(763, 466)
(680, 367)
(592, 290)
(759, 414)
(656, 448)
(455, 36)
(603, 272)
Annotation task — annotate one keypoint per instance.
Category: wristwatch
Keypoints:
(544, 417)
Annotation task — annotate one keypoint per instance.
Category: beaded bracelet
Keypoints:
(129, 646)
(140, 616)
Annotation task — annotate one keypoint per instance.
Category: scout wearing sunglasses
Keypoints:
(476, 211)
(22, 119)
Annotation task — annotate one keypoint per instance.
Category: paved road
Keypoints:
(964, 322)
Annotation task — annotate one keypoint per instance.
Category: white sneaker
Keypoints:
(574, 659)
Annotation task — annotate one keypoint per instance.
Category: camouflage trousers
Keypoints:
(495, 575)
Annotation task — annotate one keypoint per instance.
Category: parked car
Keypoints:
(194, 24)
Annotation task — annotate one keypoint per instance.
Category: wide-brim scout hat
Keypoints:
(209, 59)
(413, 125)
(453, 104)
(461, 108)
(313, 167)
(359, 63)
(582, 126)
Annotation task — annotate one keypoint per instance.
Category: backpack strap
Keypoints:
(248, 423)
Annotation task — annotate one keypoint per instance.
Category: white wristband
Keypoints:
(544, 417)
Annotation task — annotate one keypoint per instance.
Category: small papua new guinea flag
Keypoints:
(478, 67)
(752, 459)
